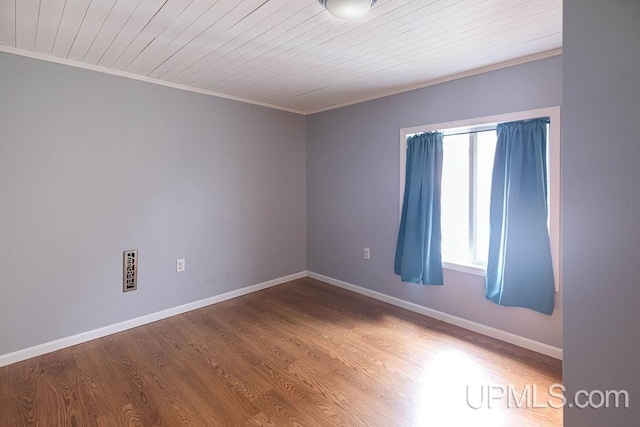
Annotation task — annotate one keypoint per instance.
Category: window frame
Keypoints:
(554, 172)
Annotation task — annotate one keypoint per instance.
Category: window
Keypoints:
(468, 153)
(466, 190)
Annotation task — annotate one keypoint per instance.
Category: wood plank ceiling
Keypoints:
(287, 53)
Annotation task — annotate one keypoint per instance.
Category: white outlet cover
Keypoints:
(367, 253)
(180, 265)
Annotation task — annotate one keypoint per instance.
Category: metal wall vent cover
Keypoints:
(130, 271)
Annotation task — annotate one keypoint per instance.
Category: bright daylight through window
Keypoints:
(466, 191)
(467, 166)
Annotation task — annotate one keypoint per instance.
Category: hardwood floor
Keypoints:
(303, 353)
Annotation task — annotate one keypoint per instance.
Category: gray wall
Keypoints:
(92, 164)
(601, 171)
(353, 179)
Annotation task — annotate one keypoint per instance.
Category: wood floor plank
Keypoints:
(125, 416)
(286, 414)
(64, 385)
(261, 420)
(4, 396)
(300, 394)
(300, 354)
(98, 376)
(26, 395)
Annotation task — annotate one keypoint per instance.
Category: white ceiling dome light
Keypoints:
(347, 9)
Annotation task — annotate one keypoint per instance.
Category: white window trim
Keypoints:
(554, 173)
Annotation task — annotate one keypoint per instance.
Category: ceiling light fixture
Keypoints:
(347, 9)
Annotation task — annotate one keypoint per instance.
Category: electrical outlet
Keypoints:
(180, 265)
(367, 253)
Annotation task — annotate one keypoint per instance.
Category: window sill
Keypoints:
(465, 268)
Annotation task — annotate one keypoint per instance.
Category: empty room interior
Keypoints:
(319, 213)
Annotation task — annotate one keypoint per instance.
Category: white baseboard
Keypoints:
(38, 350)
(514, 339)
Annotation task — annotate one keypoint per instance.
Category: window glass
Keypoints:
(485, 152)
(455, 198)
(466, 201)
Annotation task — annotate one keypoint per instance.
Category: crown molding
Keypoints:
(475, 71)
(105, 70)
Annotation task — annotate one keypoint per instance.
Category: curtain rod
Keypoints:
(465, 132)
(476, 129)
(470, 131)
